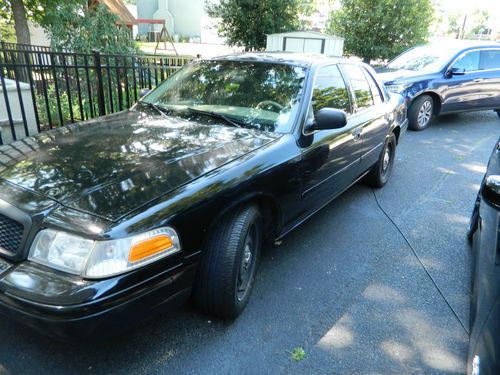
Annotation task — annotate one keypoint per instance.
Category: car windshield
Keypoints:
(424, 58)
(259, 95)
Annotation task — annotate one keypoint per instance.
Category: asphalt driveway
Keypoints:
(346, 286)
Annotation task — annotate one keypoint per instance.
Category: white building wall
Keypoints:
(309, 42)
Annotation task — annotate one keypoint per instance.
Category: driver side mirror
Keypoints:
(455, 72)
(327, 118)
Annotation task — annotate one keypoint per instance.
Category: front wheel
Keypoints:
(229, 263)
(420, 113)
(380, 173)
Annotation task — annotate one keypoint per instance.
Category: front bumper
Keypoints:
(115, 304)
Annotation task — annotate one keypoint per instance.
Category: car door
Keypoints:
(489, 64)
(331, 158)
(463, 91)
(369, 113)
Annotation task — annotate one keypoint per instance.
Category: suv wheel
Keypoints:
(229, 263)
(420, 112)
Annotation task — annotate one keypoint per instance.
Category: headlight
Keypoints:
(397, 88)
(99, 259)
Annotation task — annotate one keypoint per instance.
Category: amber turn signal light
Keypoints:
(149, 247)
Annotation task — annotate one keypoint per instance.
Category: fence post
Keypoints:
(100, 86)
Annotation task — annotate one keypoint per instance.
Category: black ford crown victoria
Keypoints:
(121, 217)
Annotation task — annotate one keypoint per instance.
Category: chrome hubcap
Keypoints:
(424, 114)
(387, 158)
(247, 256)
(247, 264)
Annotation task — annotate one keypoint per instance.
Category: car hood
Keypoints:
(390, 76)
(110, 166)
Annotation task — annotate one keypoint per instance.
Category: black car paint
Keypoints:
(103, 189)
(472, 91)
(485, 298)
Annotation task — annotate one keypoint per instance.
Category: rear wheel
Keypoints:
(229, 263)
(420, 113)
(380, 173)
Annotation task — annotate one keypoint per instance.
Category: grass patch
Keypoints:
(297, 354)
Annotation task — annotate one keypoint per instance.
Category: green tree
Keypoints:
(381, 29)
(7, 32)
(246, 22)
(480, 22)
(454, 25)
(78, 27)
(71, 24)
(19, 12)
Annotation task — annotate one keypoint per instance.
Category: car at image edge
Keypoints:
(446, 77)
(484, 233)
(109, 221)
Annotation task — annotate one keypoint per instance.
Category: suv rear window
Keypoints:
(490, 59)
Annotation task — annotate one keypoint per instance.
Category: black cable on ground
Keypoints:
(420, 261)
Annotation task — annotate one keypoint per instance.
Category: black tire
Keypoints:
(498, 112)
(380, 173)
(420, 112)
(227, 272)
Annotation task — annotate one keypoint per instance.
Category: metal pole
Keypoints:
(100, 87)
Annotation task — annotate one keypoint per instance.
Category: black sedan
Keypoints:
(455, 76)
(105, 222)
(484, 232)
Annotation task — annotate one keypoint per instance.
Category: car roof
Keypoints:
(455, 46)
(289, 58)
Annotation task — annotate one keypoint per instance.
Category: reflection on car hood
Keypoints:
(115, 164)
(388, 76)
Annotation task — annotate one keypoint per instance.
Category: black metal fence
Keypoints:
(43, 89)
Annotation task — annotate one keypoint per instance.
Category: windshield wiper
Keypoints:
(231, 121)
(158, 109)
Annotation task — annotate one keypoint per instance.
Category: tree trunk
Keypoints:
(367, 60)
(20, 22)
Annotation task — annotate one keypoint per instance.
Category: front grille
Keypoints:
(11, 233)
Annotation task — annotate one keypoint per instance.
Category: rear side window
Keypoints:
(469, 62)
(330, 90)
(490, 59)
(376, 94)
(360, 86)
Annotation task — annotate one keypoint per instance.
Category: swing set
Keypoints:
(164, 34)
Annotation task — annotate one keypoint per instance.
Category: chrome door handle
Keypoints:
(478, 80)
(356, 133)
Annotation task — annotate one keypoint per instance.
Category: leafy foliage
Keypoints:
(7, 33)
(480, 21)
(381, 29)
(73, 25)
(246, 22)
(78, 28)
(35, 10)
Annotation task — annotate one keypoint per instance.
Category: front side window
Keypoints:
(490, 59)
(468, 62)
(259, 95)
(360, 86)
(330, 90)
